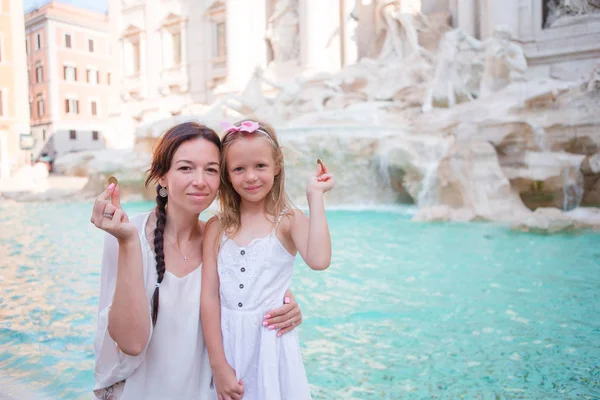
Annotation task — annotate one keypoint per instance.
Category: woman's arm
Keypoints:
(285, 318)
(128, 317)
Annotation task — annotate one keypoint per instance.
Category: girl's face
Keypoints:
(251, 167)
(193, 177)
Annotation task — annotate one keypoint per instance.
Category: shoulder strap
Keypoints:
(279, 218)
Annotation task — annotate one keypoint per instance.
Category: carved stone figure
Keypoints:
(559, 9)
(505, 62)
(282, 31)
(450, 81)
(400, 36)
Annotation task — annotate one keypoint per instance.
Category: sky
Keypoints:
(94, 5)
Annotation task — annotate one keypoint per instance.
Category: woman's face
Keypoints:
(193, 177)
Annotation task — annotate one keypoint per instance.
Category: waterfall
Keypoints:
(540, 138)
(572, 192)
(361, 172)
(429, 195)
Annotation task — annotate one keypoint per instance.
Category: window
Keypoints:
(136, 56)
(72, 106)
(73, 135)
(39, 72)
(40, 106)
(221, 40)
(38, 41)
(176, 38)
(94, 107)
(1, 49)
(108, 78)
(91, 45)
(70, 73)
(95, 136)
(43, 135)
(1, 103)
(27, 46)
(67, 40)
(92, 75)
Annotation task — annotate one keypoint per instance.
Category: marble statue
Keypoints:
(282, 31)
(449, 85)
(400, 36)
(559, 9)
(505, 62)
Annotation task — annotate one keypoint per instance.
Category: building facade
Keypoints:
(14, 111)
(174, 54)
(70, 72)
(560, 38)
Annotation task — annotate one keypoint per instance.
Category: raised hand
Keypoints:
(109, 216)
(321, 180)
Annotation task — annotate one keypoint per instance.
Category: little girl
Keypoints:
(248, 258)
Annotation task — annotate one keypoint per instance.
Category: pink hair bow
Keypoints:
(246, 126)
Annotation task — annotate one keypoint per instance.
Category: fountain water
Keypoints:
(350, 153)
(429, 194)
(572, 191)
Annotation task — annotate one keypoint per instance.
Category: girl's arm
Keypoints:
(128, 317)
(210, 314)
(311, 236)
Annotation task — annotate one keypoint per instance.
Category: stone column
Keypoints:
(349, 51)
(246, 47)
(366, 40)
(466, 16)
(494, 13)
(320, 39)
(434, 6)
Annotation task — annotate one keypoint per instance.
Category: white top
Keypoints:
(174, 364)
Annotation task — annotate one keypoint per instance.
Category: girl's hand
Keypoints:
(226, 384)
(110, 217)
(320, 182)
(284, 318)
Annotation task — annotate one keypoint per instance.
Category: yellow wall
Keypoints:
(13, 81)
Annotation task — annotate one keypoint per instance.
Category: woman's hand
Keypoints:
(109, 216)
(226, 384)
(286, 317)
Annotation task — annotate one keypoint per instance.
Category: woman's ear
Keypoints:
(277, 170)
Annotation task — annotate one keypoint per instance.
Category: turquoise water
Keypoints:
(407, 310)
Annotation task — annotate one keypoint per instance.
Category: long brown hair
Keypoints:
(276, 201)
(162, 158)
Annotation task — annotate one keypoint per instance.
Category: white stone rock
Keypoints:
(546, 220)
(594, 163)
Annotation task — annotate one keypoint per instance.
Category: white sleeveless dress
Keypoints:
(253, 280)
(175, 363)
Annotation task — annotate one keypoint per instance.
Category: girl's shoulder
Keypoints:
(292, 213)
(289, 217)
(212, 227)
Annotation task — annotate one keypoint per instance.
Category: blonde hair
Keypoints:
(276, 201)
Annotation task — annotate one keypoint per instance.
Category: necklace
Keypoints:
(185, 258)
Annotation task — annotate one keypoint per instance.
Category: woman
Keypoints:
(149, 342)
